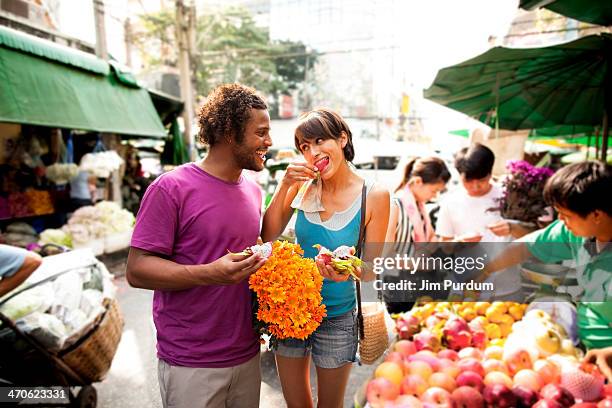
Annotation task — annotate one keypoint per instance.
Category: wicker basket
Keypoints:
(376, 338)
(92, 356)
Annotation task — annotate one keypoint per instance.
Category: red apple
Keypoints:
(526, 397)
(448, 353)
(471, 364)
(585, 405)
(413, 385)
(607, 390)
(406, 401)
(428, 357)
(517, 361)
(391, 371)
(449, 367)
(380, 390)
(529, 379)
(544, 403)
(420, 368)
(496, 377)
(438, 396)
(405, 347)
(557, 393)
(395, 357)
(470, 379)
(491, 365)
(470, 352)
(443, 380)
(499, 396)
(548, 370)
(467, 397)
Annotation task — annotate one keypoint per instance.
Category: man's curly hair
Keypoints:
(226, 113)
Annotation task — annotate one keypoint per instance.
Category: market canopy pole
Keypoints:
(101, 47)
(185, 23)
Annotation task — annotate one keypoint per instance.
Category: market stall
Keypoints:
(63, 115)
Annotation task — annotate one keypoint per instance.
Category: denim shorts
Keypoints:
(332, 345)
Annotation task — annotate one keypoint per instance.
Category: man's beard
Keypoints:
(246, 159)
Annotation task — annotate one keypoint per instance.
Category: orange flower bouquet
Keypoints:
(288, 289)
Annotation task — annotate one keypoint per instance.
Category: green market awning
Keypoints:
(42, 83)
(590, 11)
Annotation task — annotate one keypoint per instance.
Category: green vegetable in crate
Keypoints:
(342, 259)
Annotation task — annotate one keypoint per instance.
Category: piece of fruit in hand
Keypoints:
(264, 250)
(342, 259)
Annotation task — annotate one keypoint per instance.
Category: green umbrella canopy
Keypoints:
(531, 88)
(590, 11)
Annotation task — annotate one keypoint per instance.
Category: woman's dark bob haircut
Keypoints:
(325, 124)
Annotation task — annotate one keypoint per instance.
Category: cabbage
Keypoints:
(55, 236)
(118, 219)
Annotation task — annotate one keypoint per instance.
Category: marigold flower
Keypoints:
(288, 289)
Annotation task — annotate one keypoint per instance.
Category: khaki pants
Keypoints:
(231, 387)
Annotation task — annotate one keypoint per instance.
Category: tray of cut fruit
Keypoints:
(465, 354)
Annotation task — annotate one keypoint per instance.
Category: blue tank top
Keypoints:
(341, 229)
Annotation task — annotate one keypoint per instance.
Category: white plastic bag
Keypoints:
(45, 328)
(91, 301)
(37, 299)
(68, 289)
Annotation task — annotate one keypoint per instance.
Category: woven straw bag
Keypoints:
(375, 340)
(373, 337)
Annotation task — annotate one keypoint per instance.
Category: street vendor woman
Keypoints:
(16, 264)
(189, 219)
(580, 194)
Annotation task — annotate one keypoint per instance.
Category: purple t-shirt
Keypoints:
(191, 218)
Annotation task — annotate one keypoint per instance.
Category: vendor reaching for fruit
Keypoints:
(580, 194)
(329, 214)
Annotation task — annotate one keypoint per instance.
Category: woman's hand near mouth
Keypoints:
(299, 173)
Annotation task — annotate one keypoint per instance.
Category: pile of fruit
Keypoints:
(532, 364)
(457, 325)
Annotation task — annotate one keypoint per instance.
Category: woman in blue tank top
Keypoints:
(325, 140)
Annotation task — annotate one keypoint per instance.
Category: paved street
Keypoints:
(132, 380)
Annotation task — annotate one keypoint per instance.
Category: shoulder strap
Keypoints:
(361, 239)
(360, 243)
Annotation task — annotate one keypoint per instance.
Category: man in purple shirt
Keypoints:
(189, 219)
